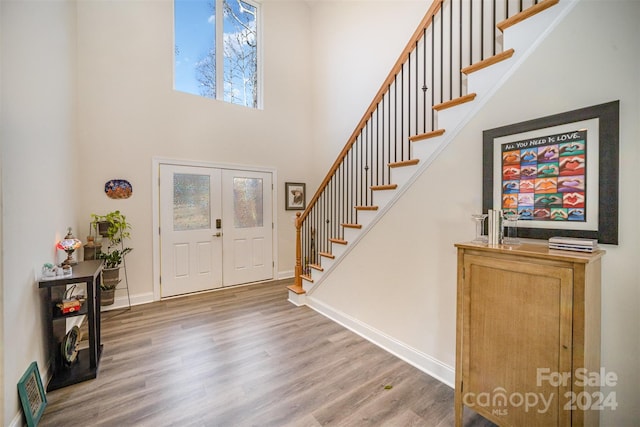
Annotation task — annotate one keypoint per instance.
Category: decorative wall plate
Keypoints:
(118, 189)
(69, 345)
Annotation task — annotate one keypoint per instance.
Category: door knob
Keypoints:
(218, 234)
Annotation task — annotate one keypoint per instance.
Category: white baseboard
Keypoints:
(427, 364)
(286, 274)
(17, 421)
(123, 302)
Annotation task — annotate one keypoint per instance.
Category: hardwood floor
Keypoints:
(246, 357)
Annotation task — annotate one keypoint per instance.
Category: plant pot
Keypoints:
(103, 227)
(92, 250)
(110, 277)
(107, 296)
(110, 280)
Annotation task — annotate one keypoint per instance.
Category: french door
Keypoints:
(216, 228)
(247, 242)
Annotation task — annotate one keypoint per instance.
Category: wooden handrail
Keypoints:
(417, 35)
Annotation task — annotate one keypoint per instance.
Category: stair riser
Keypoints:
(482, 81)
(327, 263)
(315, 275)
(403, 174)
(365, 217)
(452, 117)
(338, 249)
(297, 299)
(382, 197)
(350, 234)
(423, 150)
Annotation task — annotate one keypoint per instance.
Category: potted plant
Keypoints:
(115, 229)
(113, 226)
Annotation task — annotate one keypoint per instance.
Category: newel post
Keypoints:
(298, 271)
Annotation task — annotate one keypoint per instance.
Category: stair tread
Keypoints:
(307, 278)
(488, 62)
(338, 241)
(296, 289)
(421, 136)
(327, 255)
(454, 102)
(384, 187)
(366, 208)
(352, 225)
(316, 267)
(527, 13)
(404, 163)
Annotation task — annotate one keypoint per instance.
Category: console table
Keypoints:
(527, 314)
(85, 366)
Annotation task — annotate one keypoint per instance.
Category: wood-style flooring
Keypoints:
(245, 356)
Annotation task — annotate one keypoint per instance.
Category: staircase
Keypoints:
(458, 57)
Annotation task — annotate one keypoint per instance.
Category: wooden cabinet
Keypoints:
(85, 366)
(528, 319)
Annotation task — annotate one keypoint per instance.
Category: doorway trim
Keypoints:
(155, 208)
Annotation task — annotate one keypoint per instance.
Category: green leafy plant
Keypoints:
(117, 226)
(116, 231)
(114, 257)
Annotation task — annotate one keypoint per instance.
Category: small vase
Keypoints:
(511, 229)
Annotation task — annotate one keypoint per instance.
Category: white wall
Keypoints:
(38, 180)
(354, 45)
(128, 113)
(407, 291)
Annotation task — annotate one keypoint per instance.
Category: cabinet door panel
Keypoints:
(518, 319)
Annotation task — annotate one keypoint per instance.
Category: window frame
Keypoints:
(219, 47)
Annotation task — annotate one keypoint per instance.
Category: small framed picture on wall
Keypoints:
(295, 196)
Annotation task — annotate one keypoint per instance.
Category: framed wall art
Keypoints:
(32, 395)
(295, 196)
(558, 173)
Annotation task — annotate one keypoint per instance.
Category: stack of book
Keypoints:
(573, 244)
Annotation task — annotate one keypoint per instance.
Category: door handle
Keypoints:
(218, 234)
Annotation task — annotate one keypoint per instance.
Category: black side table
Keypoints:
(85, 367)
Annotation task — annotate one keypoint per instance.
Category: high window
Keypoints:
(217, 50)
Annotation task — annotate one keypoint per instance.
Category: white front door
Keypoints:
(247, 242)
(191, 251)
(216, 228)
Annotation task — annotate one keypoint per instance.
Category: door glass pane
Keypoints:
(191, 202)
(247, 202)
